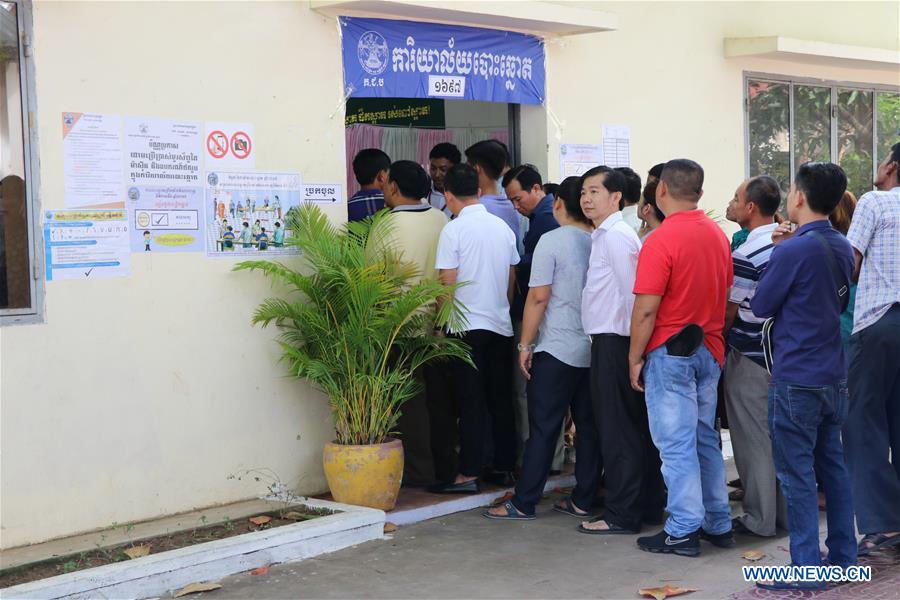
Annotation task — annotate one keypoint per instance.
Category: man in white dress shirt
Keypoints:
(634, 488)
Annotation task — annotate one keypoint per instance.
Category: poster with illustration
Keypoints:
(166, 218)
(246, 212)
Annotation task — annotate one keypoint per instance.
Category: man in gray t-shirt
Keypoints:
(560, 260)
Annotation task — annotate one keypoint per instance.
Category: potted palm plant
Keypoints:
(357, 323)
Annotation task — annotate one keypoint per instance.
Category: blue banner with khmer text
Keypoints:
(405, 59)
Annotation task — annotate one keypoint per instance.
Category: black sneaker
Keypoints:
(720, 540)
(688, 545)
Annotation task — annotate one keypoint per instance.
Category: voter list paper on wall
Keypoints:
(86, 244)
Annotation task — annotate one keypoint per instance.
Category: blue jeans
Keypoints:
(805, 425)
(681, 406)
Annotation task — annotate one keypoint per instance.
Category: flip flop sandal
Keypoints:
(512, 514)
(879, 541)
(613, 529)
(570, 509)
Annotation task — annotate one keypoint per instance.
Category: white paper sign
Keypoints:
(162, 152)
(323, 193)
(92, 159)
(575, 159)
(229, 146)
(86, 244)
(617, 145)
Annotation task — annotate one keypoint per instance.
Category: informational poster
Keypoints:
(229, 146)
(162, 152)
(246, 212)
(166, 219)
(92, 159)
(617, 145)
(86, 244)
(323, 193)
(575, 159)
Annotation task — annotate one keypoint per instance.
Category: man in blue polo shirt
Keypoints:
(805, 287)
(524, 188)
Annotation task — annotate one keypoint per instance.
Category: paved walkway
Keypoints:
(467, 556)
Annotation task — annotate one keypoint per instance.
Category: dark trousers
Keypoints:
(489, 385)
(633, 479)
(805, 425)
(442, 416)
(872, 432)
(555, 386)
(415, 432)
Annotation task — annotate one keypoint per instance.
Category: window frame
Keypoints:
(35, 313)
(831, 84)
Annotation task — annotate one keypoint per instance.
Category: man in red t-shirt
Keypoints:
(684, 273)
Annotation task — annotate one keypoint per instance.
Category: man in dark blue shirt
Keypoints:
(370, 167)
(524, 188)
(804, 288)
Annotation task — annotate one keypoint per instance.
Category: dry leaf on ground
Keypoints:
(261, 520)
(501, 499)
(196, 588)
(138, 551)
(389, 527)
(661, 593)
(753, 555)
(295, 516)
(260, 570)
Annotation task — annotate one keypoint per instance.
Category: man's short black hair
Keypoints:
(526, 175)
(823, 184)
(613, 180)
(763, 191)
(895, 153)
(684, 178)
(410, 178)
(368, 163)
(656, 170)
(446, 150)
(461, 181)
(489, 155)
(632, 191)
(650, 199)
(551, 189)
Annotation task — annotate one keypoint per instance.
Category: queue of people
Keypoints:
(624, 306)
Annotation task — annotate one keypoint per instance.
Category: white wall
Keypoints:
(139, 396)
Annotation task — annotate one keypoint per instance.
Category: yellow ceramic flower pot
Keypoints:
(365, 475)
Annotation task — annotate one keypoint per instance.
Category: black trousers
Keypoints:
(633, 479)
(555, 386)
(442, 416)
(871, 432)
(415, 432)
(487, 386)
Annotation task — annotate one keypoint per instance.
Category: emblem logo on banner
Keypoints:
(372, 50)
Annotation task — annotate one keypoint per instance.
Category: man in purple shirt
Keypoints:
(370, 167)
(488, 158)
(805, 287)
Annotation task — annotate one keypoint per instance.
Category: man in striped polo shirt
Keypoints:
(746, 380)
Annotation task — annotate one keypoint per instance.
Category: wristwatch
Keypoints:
(525, 347)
